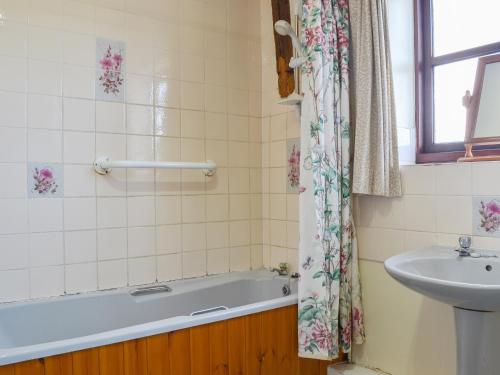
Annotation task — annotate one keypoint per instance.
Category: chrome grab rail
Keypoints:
(206, 311)
(103, 165)
(150, 290)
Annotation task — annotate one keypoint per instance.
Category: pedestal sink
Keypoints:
(471, 284)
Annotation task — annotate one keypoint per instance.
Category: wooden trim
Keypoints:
(487, 49)
(451, 157)
(259, 344)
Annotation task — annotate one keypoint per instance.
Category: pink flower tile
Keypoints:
(45, 180)
(293, 165)
(110, 76)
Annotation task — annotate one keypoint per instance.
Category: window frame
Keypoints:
(426, 150)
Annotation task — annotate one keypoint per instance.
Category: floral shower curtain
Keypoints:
(330, 311)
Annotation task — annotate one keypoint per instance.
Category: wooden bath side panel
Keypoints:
(257, 344)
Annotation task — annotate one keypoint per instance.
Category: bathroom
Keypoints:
(157, 209)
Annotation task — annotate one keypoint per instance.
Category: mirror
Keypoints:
(483, 109)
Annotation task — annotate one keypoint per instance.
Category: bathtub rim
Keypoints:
(29, 352)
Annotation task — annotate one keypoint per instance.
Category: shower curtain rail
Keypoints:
(103, 165)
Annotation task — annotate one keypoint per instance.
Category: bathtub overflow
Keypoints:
(489, 267)
(286, 290)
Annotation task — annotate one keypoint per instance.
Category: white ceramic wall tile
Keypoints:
(217, 261)
(379, 244)
(12, 109)
(141, 211)
(193, 209)
(45, 77)
(46, 249)
(46, 281)
(14, 38)
(80, 246)
(485, 178)
(454, 215)
(13, 76)
(167, 122)
(79, 181)
(168, 239)
(45, 215)
(45, 145)
(79, 114)
(14, 252)
(81, 277)
(140, 90)
(14, 183)
(110, 117)
(112, 274)
(418, 179)
(79, 213)
(79, 147)
(168, 210)
(217, 235)
(194, 264)
(240, 258)
(14, 285)
(454, 179)
(44, 111)
(194, 237)
(140, 119)
(217, 207)
(141, 241)
(239, 233)
(12, 145)
(420, 213)
(111, 212)
(79, 49)
(239, 206)
(169, 267)
(45, 44)
(141, 270)
(111, 243)
(140, 147)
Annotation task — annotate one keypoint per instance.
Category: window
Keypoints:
(451, 35)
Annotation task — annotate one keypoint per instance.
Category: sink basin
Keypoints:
(439, 273)
(472, 286)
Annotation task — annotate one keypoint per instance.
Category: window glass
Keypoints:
(463, 24)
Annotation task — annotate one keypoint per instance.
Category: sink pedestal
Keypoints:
(478, 341)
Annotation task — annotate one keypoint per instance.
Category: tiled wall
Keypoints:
(280, 123)
(192, 91)
(436, 208)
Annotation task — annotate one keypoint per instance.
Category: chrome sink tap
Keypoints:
(465, 251)
(464, 242)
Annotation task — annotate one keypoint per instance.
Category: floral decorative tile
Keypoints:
(110, 75)
(486, 216)
(45, 180)
(293, 165)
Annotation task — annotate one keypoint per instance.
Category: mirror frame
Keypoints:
(472, 105)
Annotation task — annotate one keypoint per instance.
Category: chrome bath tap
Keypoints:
(283, 270)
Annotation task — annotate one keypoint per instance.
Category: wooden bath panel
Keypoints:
(257, 344)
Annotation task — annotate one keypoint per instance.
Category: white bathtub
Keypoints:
(42, 328)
